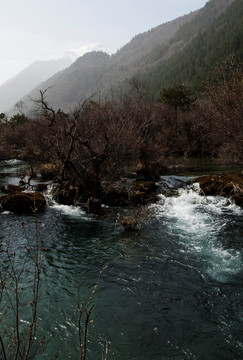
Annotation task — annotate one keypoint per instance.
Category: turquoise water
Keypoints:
(171, 290)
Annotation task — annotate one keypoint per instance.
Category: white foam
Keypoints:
(198, 221)
(190, 201)
(224, 262)
(5, 212)
(68, 209)
(12, 161)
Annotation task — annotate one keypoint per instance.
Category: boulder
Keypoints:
(10, 188)
(66, 194)
(129, 223)
(13, 188)
(226, 184)
(210, 184)
(48, 171)
(41, 187)
(238, 199)
(22, 202)
(113, 194)
(94, 206)
(143, 192)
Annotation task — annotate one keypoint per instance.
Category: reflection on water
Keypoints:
(198, 166)
(11, 171)
(172, 290)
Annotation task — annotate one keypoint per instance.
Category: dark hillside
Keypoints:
(134, 61)
(194, 63)
(183, 50)
(96, 72)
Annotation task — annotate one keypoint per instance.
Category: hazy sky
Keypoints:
(45, 29)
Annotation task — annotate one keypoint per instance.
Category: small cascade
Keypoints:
(70, 210)
(48, 193)
(199, 222)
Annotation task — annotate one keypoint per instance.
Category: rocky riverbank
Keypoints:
(123, 193)
(230, 185)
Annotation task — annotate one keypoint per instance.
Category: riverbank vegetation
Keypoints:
(98, 142)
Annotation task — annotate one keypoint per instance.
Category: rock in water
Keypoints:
(19, 203)
(230, 184)
(226, 184)
(143, 192)
(94, 206)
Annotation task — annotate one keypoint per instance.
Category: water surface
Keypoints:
(171, 290)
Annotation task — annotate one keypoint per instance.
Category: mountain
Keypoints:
(13, 89)
(183, 50)
(161, 66)
(201, 53)
(97, 73)
(67, 87)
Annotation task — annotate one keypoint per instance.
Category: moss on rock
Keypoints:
(19, 203)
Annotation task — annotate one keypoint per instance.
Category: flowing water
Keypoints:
(171, 290)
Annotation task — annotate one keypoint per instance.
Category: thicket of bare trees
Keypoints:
(97, 141)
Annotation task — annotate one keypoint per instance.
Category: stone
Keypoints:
(19, 203)
(41, 187)
(10, 188)
(66, 194)
(48, 171)
(94, 206)
(224, 185)
(113, 194)
(129, 223)
(14, 188)
(238, 199)
(143, 192)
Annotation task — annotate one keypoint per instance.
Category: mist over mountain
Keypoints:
(13, 89)
(77, 82)
(183, 50)
(98, 74)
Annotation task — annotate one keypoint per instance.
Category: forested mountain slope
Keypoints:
(151, 65)
(193, 64)
(183, 50)
(98, 73)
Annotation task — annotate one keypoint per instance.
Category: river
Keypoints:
(170, 290)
